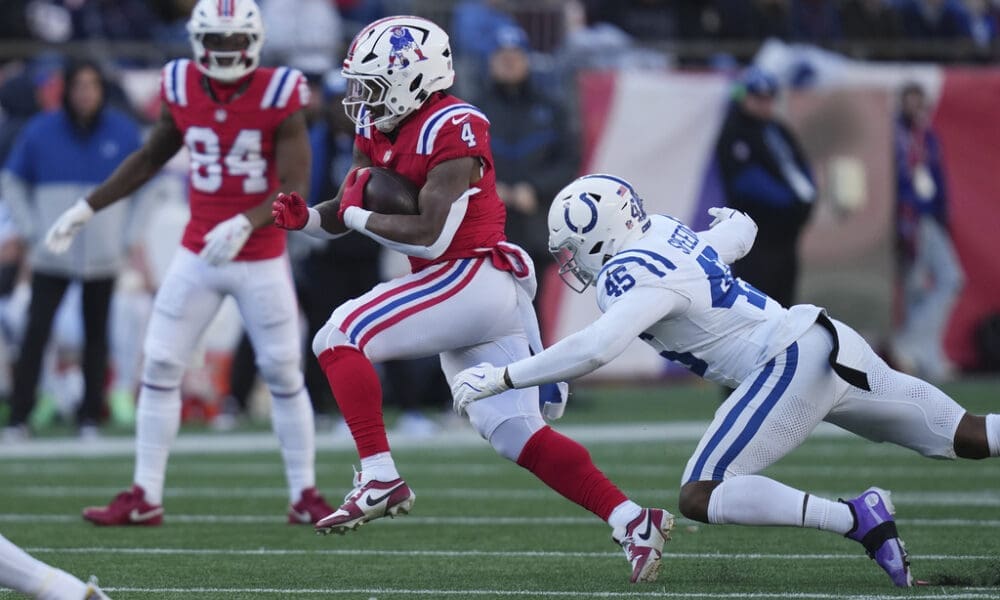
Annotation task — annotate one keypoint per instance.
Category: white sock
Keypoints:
(993, 434)
(292, 420)
(22, 572)
(757, 500)
(827, 515)
(379, 467)
(157, 420)
(623, 514)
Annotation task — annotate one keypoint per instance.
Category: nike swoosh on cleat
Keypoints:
(457, 120)
(138, 517)
(649, 528)
(375, 501)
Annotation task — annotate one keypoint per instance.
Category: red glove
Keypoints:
(354, 189)
(290, 211)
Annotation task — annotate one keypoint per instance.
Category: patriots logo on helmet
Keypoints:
(402, 40)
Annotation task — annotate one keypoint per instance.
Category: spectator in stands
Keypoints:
(766, 175)
(982, 22)
(32, 86)
(56, 159)
(930, 19)
(474, 27)
(869, 20)
(533, 149)
(929, 271)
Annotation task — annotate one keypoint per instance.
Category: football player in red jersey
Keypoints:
(246, 134)
(468, 297)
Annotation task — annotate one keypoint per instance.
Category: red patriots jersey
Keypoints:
(444, 128)
(231, 145)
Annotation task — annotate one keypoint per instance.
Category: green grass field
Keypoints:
(483, 528)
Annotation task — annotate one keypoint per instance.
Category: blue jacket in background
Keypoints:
(52, 164)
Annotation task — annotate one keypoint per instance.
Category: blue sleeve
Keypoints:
(755, 182)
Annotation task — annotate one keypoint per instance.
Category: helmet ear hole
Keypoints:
(597, 247)
(416, 82)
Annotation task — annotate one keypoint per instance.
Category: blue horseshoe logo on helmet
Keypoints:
(593, 215)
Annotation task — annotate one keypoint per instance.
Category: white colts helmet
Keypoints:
(213, 23)
(590, 220)
(392, 67)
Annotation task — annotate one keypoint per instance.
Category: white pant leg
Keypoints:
(264, 291)
(517, 408)
(900, 408)
(265, 294)
(187, 301)
(452, 305)
(771, 413)
(465, 310)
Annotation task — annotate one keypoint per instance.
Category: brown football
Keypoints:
(390, 193)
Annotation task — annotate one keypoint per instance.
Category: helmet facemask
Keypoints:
(570, 270)
(365, 102)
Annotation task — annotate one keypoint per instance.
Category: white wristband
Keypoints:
(314, 227)
(356, 218)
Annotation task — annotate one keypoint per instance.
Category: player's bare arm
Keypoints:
(139, 167)
(292, 159)
(446, 183)
(328, 209)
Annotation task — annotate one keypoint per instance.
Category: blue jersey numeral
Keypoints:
(725, 289)
(618, 282)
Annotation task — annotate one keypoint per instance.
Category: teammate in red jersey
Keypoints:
(467, 299)
(247, 139)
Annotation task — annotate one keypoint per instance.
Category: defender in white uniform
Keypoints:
(792, 368)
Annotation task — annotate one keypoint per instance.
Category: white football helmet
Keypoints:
(392, 67)
(227, 37)
(591, 220)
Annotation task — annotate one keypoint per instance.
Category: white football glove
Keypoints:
(224, 242)
(60, 235)
(721, 214)
(475, 383)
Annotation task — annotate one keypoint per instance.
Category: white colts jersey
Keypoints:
(729, 328)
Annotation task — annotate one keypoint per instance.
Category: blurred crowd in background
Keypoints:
(515, 59)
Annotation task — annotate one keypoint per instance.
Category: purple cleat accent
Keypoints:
(875, 528)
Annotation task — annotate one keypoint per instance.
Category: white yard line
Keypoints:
(374, 592)
(277, 518)
(958, 498)
(496, 466)
(214, 443)
(473, 553)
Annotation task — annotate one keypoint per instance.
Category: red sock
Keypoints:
(358, 392)
(566, 466)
